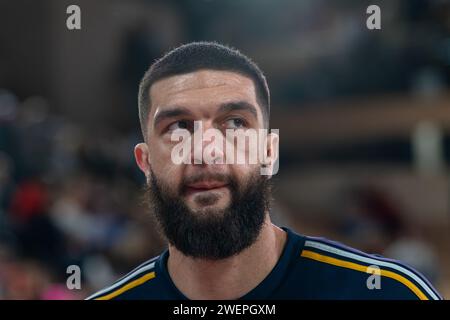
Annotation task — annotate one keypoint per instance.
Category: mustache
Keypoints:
(220, 177)
(208, 176)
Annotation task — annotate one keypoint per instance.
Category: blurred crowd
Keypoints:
(70, 192)
(67, 197)
(73, 197)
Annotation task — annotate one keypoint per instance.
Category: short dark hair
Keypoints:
(202, 55)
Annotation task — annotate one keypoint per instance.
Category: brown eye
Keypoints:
(182, 124)
(235, 123)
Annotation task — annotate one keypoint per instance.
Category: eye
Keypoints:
(181, 124)
(235, 123)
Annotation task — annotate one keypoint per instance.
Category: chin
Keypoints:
(215, 202)
(216, 208)
(209, 208)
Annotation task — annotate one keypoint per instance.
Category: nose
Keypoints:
(208, 144)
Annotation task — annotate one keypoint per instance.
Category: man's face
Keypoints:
(200, 96)
(203, 198)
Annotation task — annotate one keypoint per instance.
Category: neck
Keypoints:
(229, 278)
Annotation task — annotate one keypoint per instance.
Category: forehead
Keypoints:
(202, 87)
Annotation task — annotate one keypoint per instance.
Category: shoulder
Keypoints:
(359, 272)
(130, 284)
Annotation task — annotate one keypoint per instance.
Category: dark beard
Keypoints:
(211, 233)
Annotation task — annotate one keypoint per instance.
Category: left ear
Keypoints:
(142, 156)
(270, 164)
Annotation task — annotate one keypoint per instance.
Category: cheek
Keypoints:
(243, 172)
(248, 151)
(162, 164)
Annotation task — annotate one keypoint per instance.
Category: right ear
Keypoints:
(142, 156)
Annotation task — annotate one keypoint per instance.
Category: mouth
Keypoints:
(205, 186)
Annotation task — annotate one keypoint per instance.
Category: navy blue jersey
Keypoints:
(309, 268)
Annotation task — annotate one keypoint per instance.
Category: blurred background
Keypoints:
(364, 120)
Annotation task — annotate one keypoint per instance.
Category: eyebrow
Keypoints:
(171, 113)
(238, 105)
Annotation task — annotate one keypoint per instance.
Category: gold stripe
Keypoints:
(128, 286)
(362, 268)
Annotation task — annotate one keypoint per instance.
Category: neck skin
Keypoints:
(229, 278)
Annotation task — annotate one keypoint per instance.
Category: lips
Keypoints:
(205, 186)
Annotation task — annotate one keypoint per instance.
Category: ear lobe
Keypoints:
(272, 163)
(141, 154)
(274, 144)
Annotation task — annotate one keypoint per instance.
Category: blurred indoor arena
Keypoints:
(363, 117)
